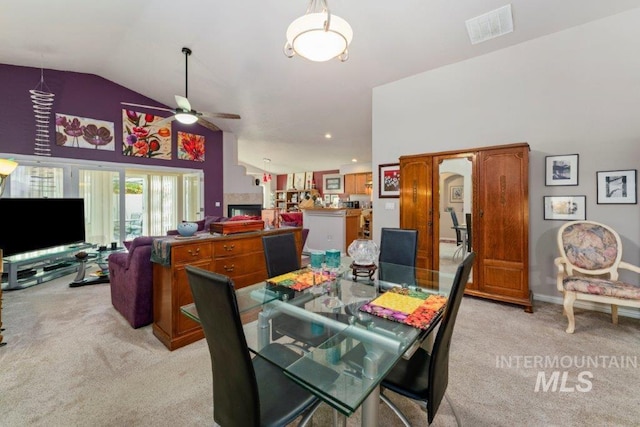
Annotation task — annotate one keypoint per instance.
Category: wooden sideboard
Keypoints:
(239, 256)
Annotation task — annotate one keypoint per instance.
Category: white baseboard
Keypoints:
(590, 305)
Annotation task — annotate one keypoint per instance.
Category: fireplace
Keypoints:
(252, 210)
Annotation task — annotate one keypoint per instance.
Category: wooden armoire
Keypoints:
(499, 206)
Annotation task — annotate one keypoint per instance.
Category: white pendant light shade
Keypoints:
(319, 36)
(186, 118)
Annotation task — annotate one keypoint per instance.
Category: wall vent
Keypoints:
(490, 25)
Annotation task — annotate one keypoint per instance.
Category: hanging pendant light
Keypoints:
(318, 35)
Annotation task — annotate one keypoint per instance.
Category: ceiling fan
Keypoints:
(183, 112)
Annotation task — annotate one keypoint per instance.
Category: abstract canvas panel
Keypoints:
(82, 132)
(145, 136)
(190, 147)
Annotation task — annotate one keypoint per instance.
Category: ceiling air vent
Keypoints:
(490, 25)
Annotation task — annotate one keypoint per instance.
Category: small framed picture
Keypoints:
(565, 208)
(456, 193)
(299, 180)
(617, 187)
(332, 183)
(389, 180)
(561, 170)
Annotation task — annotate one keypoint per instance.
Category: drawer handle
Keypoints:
(229, 248)
(192, 253)
(233, 266)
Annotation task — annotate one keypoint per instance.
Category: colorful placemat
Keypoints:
(300, 279)
(417, 309)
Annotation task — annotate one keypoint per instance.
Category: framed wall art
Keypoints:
(332, 183)
(389, 180)
(561, 170)
(617, 187)
(565, 208)
(456, 194)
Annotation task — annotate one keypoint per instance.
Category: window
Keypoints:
(120, 204)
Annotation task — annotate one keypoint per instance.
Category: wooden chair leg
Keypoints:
(569, 299)
(614, 314)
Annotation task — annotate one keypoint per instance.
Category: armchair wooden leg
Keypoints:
(614, 314)
(569, 299)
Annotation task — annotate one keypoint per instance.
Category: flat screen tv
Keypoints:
(33, 224)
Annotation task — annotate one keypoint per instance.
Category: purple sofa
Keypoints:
(131, 277)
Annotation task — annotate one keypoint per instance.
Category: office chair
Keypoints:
(246, 391)
(398, 247)
(425, 376)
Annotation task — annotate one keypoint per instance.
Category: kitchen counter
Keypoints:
(331, 228)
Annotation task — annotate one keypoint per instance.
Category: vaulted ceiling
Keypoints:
(238, 65)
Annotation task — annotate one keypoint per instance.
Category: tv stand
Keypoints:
(32, 268)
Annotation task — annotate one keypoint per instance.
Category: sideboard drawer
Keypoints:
(239, 265)
(234, 247)
(192, 252)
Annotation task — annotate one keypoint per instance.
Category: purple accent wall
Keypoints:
(91, 96)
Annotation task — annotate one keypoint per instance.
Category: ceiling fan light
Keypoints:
(186, 118)
(308, 37)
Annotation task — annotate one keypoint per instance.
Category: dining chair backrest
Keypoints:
(439, 361)
(280, 254)
(454, 220)
(398, 247)
(235, 390)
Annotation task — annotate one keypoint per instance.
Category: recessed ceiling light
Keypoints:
(327, 135)
(354, 160)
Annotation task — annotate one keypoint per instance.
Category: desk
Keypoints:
(361, 348)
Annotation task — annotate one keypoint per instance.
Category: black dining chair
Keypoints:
(280, 253)
(281, 257)
(456, 228)
(398, 246)
(246, 391)
(424, 377)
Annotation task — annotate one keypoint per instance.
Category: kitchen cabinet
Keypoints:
(358, 183)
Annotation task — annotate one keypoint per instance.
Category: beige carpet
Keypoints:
(72, 360)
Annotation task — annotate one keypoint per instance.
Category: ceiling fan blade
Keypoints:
(183, 103)
(220, 115)
(208, 124)
(148, 106)
(165, 121)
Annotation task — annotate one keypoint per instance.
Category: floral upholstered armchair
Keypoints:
(590, 256)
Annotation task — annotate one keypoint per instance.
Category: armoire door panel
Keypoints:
(415, 204)
(504, 278)
(504, 226)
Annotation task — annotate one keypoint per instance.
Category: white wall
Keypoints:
(575, 91)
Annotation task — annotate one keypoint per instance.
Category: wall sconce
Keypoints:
(6, 167)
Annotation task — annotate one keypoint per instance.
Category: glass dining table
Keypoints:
(356, 327)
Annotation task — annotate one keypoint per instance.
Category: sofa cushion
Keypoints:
(292, 218)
